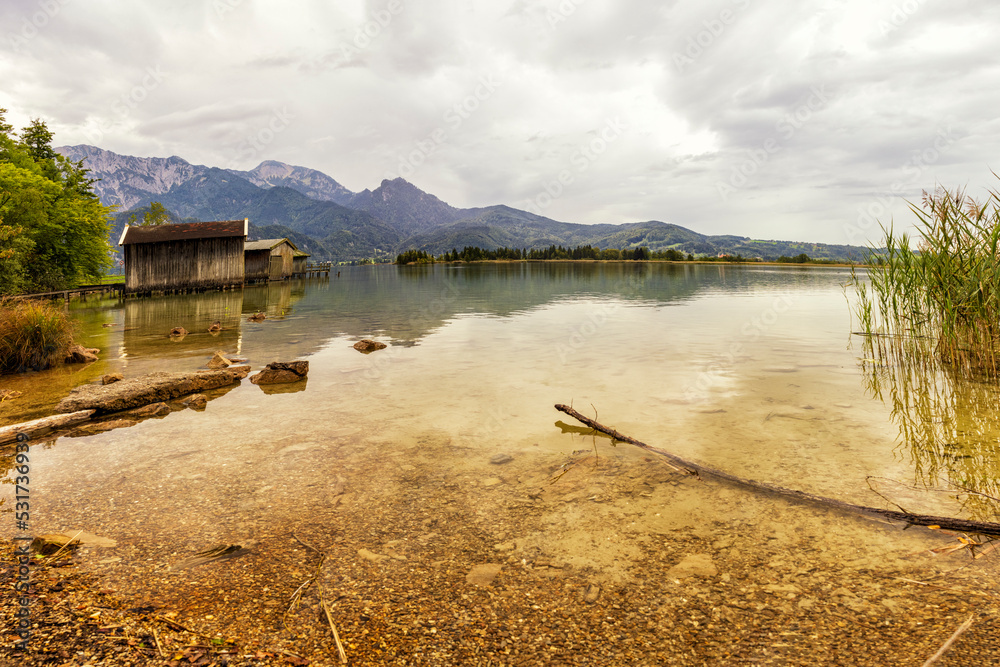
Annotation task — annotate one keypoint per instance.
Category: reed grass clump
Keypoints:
(944, 294)
(34, 335)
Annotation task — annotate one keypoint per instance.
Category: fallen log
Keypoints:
(143, 390)
(39, 427)
(698, 470)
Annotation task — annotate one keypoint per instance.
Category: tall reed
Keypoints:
(945, 291)
(34, 335)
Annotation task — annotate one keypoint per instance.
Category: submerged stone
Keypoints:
(695, 565)
(196, 401)
(367, 346)
(483, 575)
(78, 354)
(101, 427)
(219, 361)
(282, 372)
(52, 542)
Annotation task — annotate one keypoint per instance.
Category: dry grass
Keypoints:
(34, 335)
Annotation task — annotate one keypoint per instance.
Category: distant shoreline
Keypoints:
(788, 265)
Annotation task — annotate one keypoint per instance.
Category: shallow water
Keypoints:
(746, 369)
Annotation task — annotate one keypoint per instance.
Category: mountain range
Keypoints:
(330, 222)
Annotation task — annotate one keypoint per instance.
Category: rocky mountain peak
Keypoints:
(127, 181)
(310, 182)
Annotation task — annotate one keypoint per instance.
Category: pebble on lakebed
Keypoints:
(618, 562)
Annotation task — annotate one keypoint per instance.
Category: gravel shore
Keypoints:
(613, 560)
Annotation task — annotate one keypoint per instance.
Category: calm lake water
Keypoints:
(752, 370)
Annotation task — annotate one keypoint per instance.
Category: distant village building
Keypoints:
(269, 259)
(184, 256)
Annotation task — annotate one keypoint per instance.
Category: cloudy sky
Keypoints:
(773, 119)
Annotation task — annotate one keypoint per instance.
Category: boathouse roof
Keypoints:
(267, 244)
(183, 231)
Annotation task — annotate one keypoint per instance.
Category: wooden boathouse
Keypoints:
(299, 262)
(269, 259)
(184, 256)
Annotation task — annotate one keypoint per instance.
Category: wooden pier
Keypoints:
(318, 268)
(82, 290)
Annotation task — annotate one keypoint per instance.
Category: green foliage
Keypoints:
(586, 252)
(33, 335)
(946, 292)
(670, 255)
(737, 258)
(37, 139)
(53, 230)
(798, 259)
(590, 252)
(156, 214)
(414, 257)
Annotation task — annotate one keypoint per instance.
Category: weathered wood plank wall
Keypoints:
(184, 265)
(257, 264)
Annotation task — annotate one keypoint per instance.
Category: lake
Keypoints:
(443, 451)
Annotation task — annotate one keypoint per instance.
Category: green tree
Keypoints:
(53, 229)
(37, 139)
(157, 214)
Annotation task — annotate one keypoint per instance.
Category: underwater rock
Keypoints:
(483, 575)
(368, 346)
(282, 372)
(219, 361)
(197, 401)
(78, 354)
(101, 427)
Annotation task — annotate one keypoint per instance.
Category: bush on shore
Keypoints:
(34, 335)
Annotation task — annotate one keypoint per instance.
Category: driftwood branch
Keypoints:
(951, 640)
(39, 427)
(701, 471)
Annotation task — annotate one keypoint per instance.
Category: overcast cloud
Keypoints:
(787, 120)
